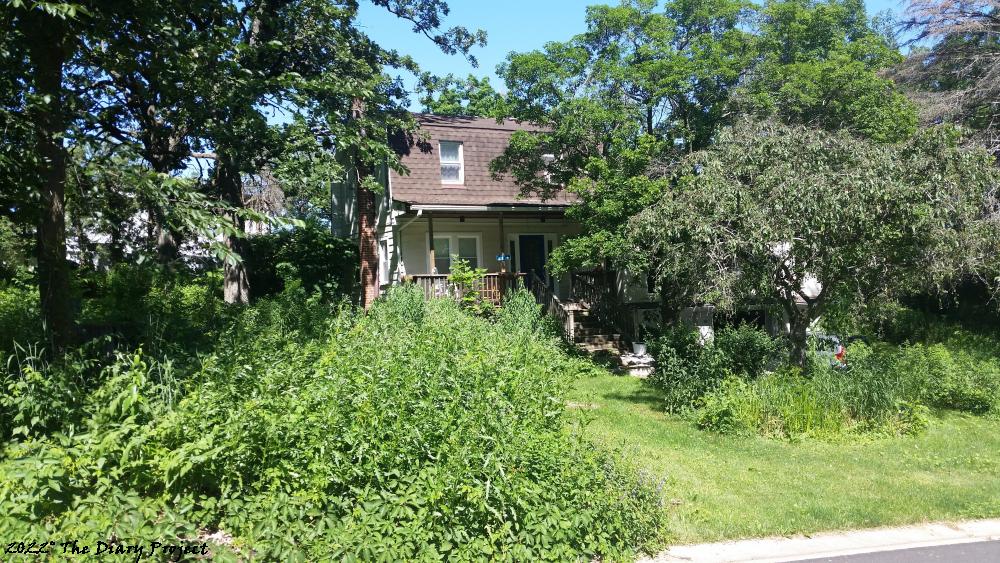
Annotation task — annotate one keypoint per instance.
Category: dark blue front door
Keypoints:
(532, 250)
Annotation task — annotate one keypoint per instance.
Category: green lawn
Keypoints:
(725, 487)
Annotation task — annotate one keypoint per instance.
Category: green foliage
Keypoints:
(819, 66)
(610, 192)
(35, 399)
(748, 349)
(471, 96)
(787, 405)
(884, 390)
(520, 314)
(688, 370)
(946, 377)
(309, 255)
(415, 431)
(145, 306)
(648, 83)
(20, 318)
(467, 282)
(771, 207)
(14, 251)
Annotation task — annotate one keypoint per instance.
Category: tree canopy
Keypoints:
(158, 90)
(655, 82)
(799, 218)
(956, 77)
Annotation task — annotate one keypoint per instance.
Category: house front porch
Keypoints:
(512, 243)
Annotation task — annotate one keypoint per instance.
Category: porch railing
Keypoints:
(594, 291)
(492, 287)
(551, 305)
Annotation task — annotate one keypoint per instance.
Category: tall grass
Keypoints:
(886, 389)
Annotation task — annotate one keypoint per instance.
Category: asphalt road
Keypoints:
(974, 552)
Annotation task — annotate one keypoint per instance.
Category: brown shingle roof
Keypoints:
(482, 141)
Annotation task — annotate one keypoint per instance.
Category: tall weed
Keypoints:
(416, 431)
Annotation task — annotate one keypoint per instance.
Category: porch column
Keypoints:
(430, 235)
(502, 244)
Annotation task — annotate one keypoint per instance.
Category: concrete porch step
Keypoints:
(592, 331)
(614, 339)
(609, 349)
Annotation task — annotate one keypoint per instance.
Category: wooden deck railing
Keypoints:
(492, 287)
(551, 305)
(594, 291)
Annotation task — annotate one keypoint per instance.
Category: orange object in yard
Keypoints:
(841, 354)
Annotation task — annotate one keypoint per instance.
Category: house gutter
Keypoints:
(474, 208)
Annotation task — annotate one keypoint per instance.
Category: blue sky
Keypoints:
(512, 25)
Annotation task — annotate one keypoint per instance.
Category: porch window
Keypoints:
(442, 255)
(468, 251)
(450, 247)
(452, 166)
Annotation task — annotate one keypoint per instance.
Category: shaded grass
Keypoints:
(728, 487)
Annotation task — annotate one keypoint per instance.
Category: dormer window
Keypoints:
(452, 165)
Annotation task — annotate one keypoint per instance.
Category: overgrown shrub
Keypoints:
(20, 318)
(467, 283)
(953, 380)
(827, 404)
(884, 389)
(748, 350)
(309, 254)
(414, 432)
(688, 369)
(144, 305)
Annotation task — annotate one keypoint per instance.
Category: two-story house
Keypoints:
(449, 207)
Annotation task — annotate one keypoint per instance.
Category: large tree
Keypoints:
(820, 63)
(956, 78)
(470, 96)
(771, 209)
(41, 41)
(654, 82)
(642, 81)
(164, 82)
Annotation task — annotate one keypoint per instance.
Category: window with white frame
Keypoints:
(452, 165)
(448, 248)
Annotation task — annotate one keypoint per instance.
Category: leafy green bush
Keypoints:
(950, 379)
(142, 305)
(520, 313)
(467, 282)
(687, 369)
(883, 390)
(748, 350)
(20, 318)
(416, 431)
(309, 254)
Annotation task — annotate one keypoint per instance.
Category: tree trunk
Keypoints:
(367, 223)
(159, 155)
(47, 53)
(236, 285)
(367, 245)
(167, 239)
(798, 336)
